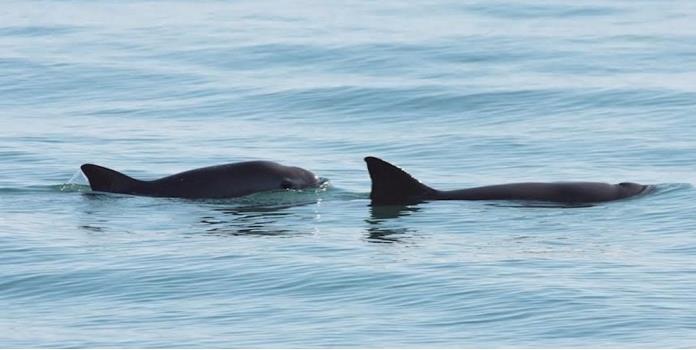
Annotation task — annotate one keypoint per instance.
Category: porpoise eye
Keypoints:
(286, 185)
(626, 184)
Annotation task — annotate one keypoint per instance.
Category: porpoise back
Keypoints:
(220, 181)
(392, 185)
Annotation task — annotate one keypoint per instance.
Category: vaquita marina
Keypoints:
(458, 94)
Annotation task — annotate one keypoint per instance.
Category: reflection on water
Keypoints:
(380, 213)
(380, 229)
(388, 235)
(91, 228)
(251, 220)
(266, 214)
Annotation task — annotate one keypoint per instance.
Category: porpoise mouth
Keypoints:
(322, 182)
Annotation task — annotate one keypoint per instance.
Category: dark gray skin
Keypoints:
(391, 186)
(220, 181)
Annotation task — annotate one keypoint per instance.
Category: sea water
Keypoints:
(458, 93)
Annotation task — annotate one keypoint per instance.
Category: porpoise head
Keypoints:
(300, 178)
(629, 189)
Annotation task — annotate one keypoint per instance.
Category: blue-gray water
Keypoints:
(459, 93)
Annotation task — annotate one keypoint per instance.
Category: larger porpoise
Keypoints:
(392, 185)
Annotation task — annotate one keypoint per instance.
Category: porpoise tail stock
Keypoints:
(393, 186)
(219, 181)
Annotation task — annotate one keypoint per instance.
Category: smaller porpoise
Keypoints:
(220, 181)
(392, 186)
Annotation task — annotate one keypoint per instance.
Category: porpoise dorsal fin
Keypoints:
(107, 180)
(392, 185)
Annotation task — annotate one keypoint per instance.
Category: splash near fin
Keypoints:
(107, 180)
(392, 185)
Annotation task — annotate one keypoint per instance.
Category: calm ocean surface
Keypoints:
(459, 93)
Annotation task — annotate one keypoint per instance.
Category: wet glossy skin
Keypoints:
(220, 181)
(392, 185)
